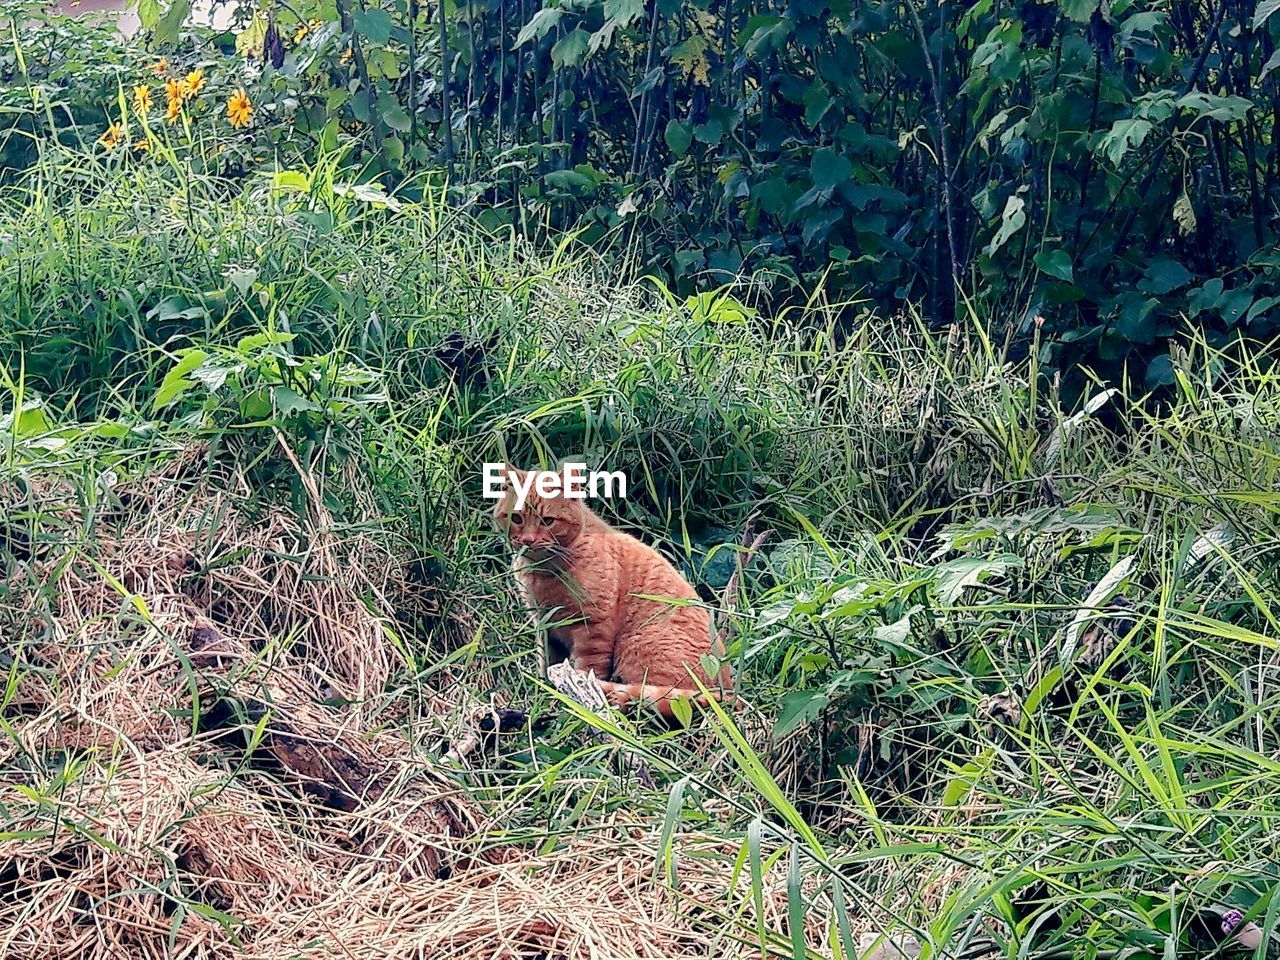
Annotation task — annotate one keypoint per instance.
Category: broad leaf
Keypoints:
(1056, 263)
(570, 49)
(951, 579)
(1226, 109)
(1011, 221)
(175, 382)
(167, 27)
(1164, 276)
(1263, 12)
(1124, 135)
(1078, 10)
(539, 25)
(623, 11)
(373, 24)
(799, 707)
(828, 168)
(678, 137)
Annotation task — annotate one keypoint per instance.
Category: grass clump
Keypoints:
(1007, 662)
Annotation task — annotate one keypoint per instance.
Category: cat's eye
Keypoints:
(517, 519)
(548, 521)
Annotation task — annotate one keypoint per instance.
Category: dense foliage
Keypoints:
(1108, 166)
(1008, 674)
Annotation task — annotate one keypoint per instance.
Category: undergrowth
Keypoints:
(1009, 668)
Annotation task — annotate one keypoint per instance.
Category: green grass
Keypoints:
(939, 522)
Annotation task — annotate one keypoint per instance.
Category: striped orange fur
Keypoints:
(618, 607)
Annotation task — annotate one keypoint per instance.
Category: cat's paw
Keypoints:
(617, 697)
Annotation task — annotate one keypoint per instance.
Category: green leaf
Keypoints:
(393, 149)
(951, 579)
(1081, 11)
(177, 307)
(1264, 12)
(1234, 304)
(764, 33)
(678, 137)
(1226, 109)
(1124, 135)
(675, 805)
(539, 25)
(623, 11)
(796, 904)
(167, 27)
(394, 116)
(373, 24)
(1057, 264)
(1159, 372)
(828, 168)
(799, 707)
(1011, 221)
(289, 402)
(149, 13)
(31, 421)
(1164, 276)
(1260, 306)
(267, 338)
(570, 49)
(175, 382)
(242, 278)
(709, 133)
(382, 63)
(570, 181)
(249, 41)
(895, 634)
(1144, 22)
(682, 710)
(1136, 319)
(212, 376)
(1270, 65)
(966, 778)
(817, 101)
(602, 38)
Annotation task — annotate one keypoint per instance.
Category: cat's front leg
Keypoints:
(592, 649)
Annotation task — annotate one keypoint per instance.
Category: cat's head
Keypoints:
(542, 523)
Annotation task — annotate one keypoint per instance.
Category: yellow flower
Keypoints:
(142, 99)
(193, 84)
(142, 145)
(305, 28)
(111, 137)
(160, 67)
(174, 111)
(347, 54)
(240, 109)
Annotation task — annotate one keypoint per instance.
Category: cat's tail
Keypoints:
(660, 696)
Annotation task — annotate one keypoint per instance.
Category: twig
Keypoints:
(729, 604)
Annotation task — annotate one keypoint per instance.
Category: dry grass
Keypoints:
(140, 819)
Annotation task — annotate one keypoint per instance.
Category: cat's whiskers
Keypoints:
(559, 552)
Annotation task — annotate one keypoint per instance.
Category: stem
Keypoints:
(444, 91)
(943, 149)
(1122, 235)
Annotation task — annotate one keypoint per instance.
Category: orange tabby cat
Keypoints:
(626, 613)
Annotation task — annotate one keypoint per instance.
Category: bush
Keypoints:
(1106, 167)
